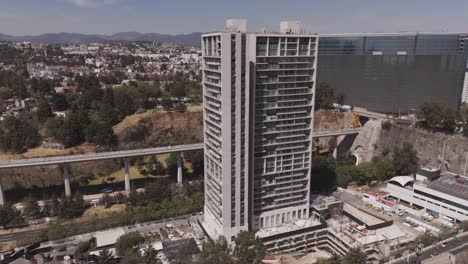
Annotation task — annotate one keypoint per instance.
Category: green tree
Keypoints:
(9, 215)
(196, 158)
(31, 208)
(149, 255)
(157, 191)
(105, 257)
(128, 244)
(44, 111)
(384, 168)
(426, 239)
(431, 112)
(180, 107)
(166, 103)
(171, 165)
(405, 159)
(71, 207)
(178, 90)
(323, 175)
(215, 252)
(59, 102)
(82, 251)
(346, 174)
(355, 256)
(248, 248)
(324, 96)
(437, 116)
(107, 200)
(17, 134)
(71, 132)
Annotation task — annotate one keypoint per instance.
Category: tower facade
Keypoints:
(282, 82)
(258, 102)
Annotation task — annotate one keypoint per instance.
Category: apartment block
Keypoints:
(258, 111)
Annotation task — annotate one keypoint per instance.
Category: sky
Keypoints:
(32, 17)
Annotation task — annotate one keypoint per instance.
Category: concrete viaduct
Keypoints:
(64, 161)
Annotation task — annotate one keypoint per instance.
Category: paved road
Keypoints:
(438, 249)
(18, 236)
(336, 133)
(142, 227)
(8, 164)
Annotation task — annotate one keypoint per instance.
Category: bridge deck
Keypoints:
(31, 162)
(8, 164)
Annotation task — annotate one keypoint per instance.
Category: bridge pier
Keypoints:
(66, 181)
(2, 195)
(179, 168)
(127, 175)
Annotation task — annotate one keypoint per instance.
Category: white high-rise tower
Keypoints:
(258, 118)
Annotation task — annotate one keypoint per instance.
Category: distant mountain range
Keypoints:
(192, 39)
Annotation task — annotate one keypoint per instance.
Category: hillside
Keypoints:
(149, 129)
(152, 129)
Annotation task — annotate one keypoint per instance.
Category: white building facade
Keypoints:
(258, 109)
(417, 193)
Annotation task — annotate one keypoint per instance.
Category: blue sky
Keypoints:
(19, 17)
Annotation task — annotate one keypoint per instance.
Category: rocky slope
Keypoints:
(434, 149)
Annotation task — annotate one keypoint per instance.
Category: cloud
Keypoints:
(91, 3)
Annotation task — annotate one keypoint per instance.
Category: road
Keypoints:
(350, 131)
(44, 161)
(18, 236)
(8, 164)
(142, 227)
(438, 249)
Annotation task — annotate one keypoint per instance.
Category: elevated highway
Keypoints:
(122, 154)
(64, 161)
(350, 131)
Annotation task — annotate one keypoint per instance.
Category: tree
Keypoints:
(136, 198)
(171, 165)
(437, 116)
(405, 159)
(107, 200)
(355, 256)
(101, 133)
(166, 103)
(128, 244)
(105, 257)
(249, 249)
(31, 209)
(151, 165)
(324, 96)
(196, 158)
(9, 215)
(71, 132)
(17, 134)
(384, 168)
(59, 102)
(180, 107)
(426, 239)
(157, 191)
(346, 174)
(149, 255)
(215, 252)
(323, 176)
(177, 90)
(71, 206)
(82, 251)
(44, 111)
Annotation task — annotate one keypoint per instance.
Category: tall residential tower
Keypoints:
(258, 108)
